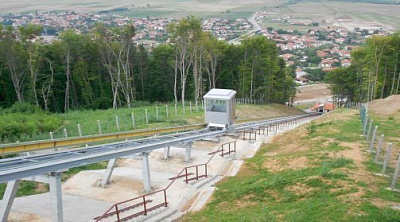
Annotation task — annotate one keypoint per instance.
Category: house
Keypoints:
(327, 63)
(345, 62)
(323, 107)
(286, 56)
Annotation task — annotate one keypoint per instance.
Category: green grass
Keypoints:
(318, 192)
(25, 188)
(24, 127)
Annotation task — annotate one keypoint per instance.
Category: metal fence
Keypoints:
(382, 151)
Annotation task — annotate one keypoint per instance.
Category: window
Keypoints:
(215, 105)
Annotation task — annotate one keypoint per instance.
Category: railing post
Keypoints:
(116, 210)
(165, 198)
(144, 205)
(166, 110)
(186, 174)
(157, 112)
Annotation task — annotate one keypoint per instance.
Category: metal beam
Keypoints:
(8, 199)
(107, 175)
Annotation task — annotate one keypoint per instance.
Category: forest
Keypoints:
(105, 69)
(373, 74)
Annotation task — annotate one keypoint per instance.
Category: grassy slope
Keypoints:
(301, 176)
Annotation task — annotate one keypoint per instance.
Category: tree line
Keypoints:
(104, 68)
(373, 74)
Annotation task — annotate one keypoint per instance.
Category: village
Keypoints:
(317, 48)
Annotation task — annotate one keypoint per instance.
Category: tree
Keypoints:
(115, 47)
(183, 35)
(69, 45)
(343, 84)
(15, 57)
(28, 34)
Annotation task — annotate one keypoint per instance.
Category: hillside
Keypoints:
(318, 172)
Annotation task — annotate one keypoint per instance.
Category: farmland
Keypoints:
(326, 13)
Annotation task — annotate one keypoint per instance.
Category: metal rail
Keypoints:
(22, 167)
(48, 144)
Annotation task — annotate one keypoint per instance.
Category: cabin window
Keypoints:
(215, 105)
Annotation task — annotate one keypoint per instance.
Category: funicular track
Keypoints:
(26, 166)
(142, 206)
(12, 169)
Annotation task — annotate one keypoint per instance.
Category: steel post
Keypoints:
(387, 157)
(56, 197)
(166, 152)
(107, 175)
(8, 199)
(146, 172)
(396, 174)
(369, 128)
(378, 150)
(371, 145)
(188, 151)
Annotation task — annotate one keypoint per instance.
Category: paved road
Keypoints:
(256, 27)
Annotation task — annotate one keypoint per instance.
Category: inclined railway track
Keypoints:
(27, 166)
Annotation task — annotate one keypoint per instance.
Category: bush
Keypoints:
(22, 121)
(311, 128)
(21, 107)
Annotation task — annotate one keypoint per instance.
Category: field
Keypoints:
(326, 13)
(175, 8)
(330, 14)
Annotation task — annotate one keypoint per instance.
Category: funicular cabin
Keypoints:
(220, 108)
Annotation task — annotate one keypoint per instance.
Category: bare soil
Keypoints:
(385, 107)
(315, 92)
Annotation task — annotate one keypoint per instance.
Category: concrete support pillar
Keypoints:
(56, 197)
(146, 172)
(8, 199)
(107, 175)
(188, 151)
(166, 152)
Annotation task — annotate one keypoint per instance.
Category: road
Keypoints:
(256, 27)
